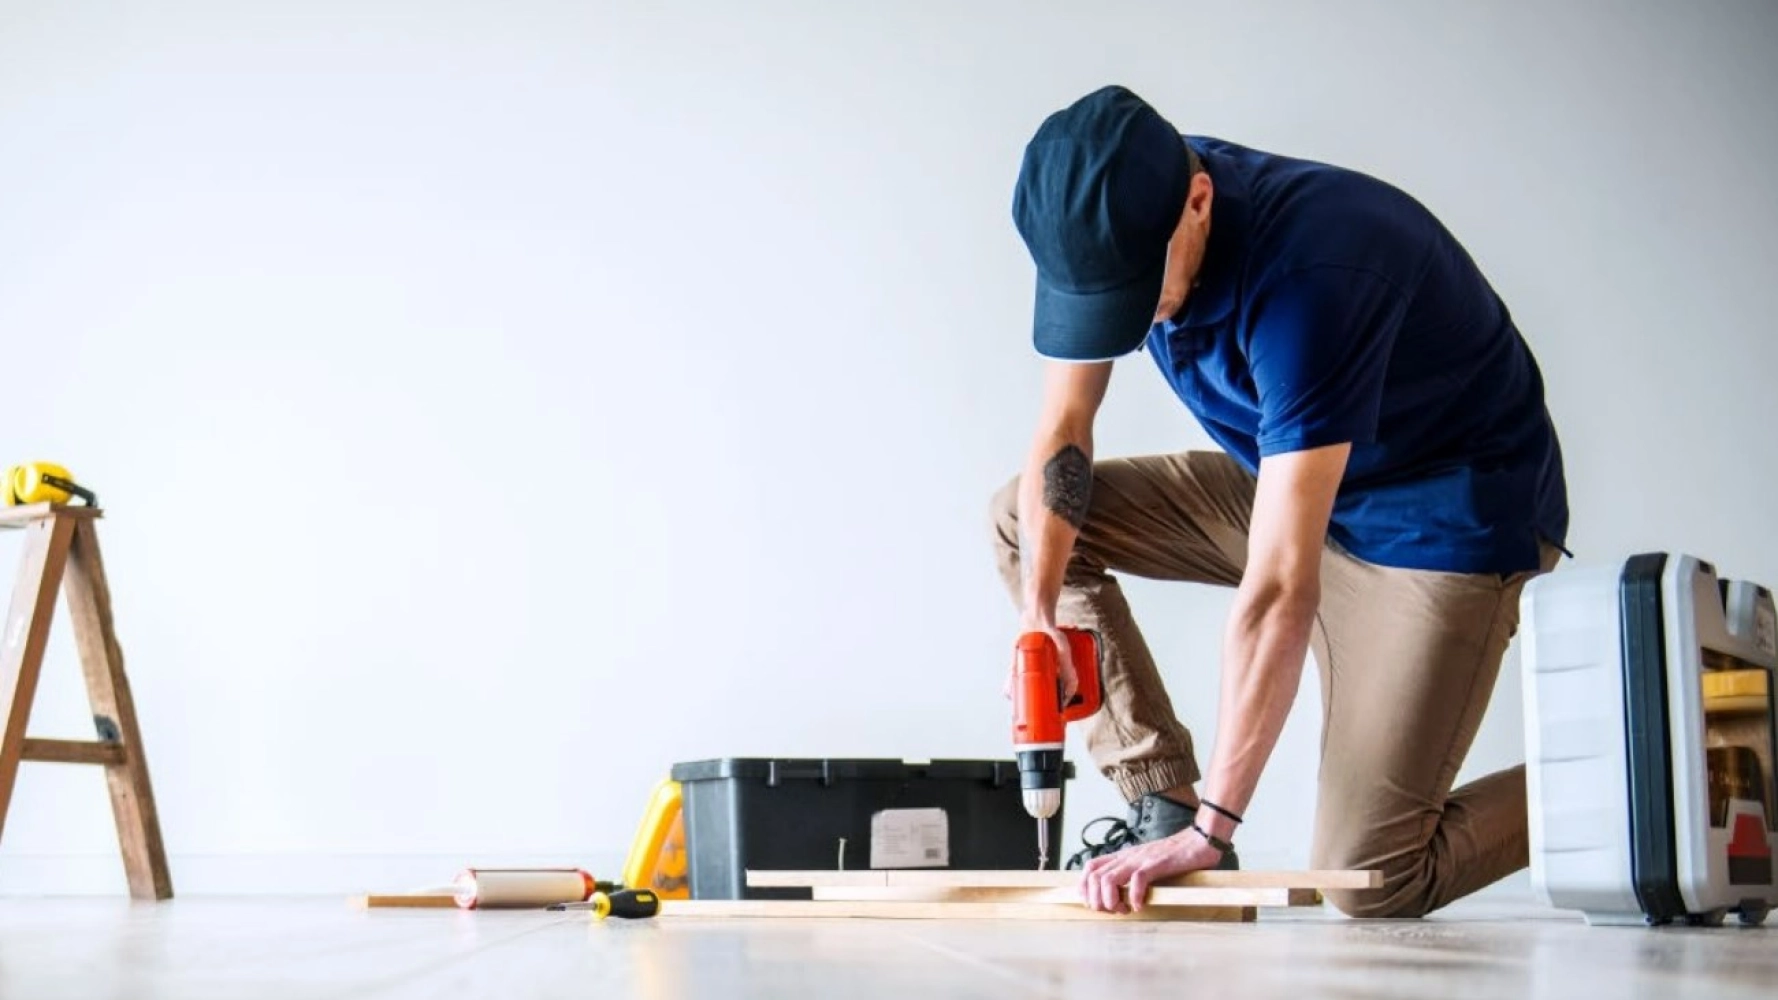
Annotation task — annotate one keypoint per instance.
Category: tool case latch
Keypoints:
(779, 771)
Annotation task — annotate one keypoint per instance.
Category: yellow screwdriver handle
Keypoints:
(629, 903)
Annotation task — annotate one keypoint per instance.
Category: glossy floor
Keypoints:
(322, 947)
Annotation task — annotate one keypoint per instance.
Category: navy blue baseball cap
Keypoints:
(1099, 194)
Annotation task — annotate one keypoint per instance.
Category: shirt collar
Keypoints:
(1212, 297)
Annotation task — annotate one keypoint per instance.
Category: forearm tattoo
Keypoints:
(1068, 484)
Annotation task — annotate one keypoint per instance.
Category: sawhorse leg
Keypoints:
(62, 554)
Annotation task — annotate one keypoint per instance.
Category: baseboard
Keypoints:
(347, 874)
(275, 874)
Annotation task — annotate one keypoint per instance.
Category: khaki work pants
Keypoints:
(1407, 662)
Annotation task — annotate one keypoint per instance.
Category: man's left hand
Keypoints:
(1106, 878)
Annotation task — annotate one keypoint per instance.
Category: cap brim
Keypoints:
(1097, 326)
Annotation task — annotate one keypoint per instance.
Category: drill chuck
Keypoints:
(1042, 803)
(1040, 780)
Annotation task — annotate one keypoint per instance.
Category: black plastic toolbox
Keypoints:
(820, 814)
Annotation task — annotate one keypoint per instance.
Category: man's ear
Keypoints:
(1199, 196)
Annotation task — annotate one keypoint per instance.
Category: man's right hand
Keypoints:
(1064, 661)
(1054, 496)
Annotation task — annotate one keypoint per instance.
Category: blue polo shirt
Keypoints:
(1332, 307)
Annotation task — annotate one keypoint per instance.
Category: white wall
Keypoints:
(496, 403)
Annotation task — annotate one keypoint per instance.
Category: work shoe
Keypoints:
(1152, 817)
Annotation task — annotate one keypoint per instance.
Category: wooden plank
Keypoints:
(108, 691)
(25, 515)
(1159, 896)
(1023, 879)
(73, 752)
(406, 901)
(24, 636)
(887, 910)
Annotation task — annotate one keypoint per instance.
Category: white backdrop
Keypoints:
(496, 403)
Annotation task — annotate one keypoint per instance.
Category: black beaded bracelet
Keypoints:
(1216, 842)
(1216, 808)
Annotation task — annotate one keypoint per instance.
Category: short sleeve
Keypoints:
(1318, 347)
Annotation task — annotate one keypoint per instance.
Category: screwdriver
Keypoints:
(627, 903)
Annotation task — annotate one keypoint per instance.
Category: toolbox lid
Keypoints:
(775, 769)
(829, 769)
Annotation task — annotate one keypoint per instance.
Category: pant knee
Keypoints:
(1407, 900)
(1406, 879)
(1406, 888)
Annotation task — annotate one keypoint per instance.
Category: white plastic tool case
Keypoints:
(1649, 742)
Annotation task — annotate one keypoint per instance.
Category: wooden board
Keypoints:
(24, 514)
(1197, 896)
(894, 910)
(73, 751)
(442, 900)
(956, 878)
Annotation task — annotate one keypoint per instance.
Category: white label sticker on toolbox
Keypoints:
(910, 838)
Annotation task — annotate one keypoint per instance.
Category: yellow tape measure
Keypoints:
(42, 482)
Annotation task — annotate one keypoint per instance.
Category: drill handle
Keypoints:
(1083, 649)
(1039, 711)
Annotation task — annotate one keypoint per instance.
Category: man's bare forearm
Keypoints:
(1054, 495)
(1263, 653)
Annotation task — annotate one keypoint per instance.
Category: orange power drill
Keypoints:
(1040, 718)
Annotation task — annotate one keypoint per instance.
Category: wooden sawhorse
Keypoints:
(62, 551)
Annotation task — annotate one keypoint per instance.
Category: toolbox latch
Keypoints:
(780, 771)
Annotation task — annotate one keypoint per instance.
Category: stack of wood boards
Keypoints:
(1020, 895)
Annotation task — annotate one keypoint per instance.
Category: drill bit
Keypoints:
(1043, 844)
